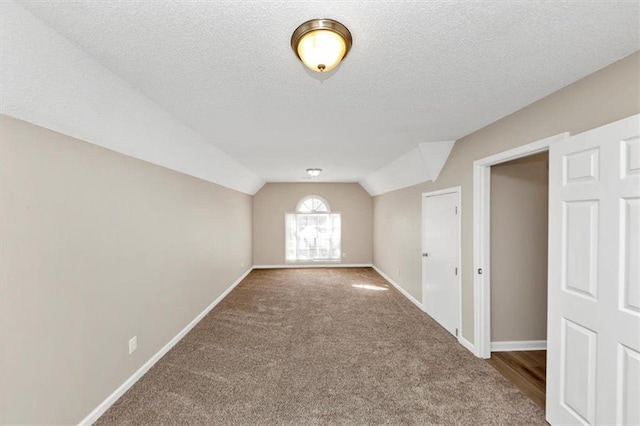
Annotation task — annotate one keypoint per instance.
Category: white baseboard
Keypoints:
(111, 399)
(314, 265)
(400, 289)
(519, 345)
(464, 342)
(467, 344)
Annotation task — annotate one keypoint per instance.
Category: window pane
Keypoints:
(307, 206)
(313, 236)
(290, 237)
(336, 233)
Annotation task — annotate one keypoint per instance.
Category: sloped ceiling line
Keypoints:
(48, 81)
(435, 155)
(421, 164)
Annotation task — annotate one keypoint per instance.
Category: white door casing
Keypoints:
(441, 272)
(482, 236)
(593, 372)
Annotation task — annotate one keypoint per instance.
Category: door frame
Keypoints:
(482, 236)
(453, 190)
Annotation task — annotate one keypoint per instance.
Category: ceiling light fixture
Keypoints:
(321, 43)
(314, 172)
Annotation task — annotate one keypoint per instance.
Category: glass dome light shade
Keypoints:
(321, 43)
(321, 50)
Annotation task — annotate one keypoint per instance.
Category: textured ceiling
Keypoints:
(418, 71)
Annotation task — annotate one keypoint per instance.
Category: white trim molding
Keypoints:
(400, 289)
(464, 342)
(325, 264)
(467, 344)
(519, 345)
(482, 236)
(111, 399)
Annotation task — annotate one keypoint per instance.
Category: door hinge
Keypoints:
(456, 332)
(456, 270)
(456, 209)
(479, 271)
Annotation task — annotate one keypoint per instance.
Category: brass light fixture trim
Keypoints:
(318, 58)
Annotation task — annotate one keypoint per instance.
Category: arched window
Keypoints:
(313, 204)
(313, 232)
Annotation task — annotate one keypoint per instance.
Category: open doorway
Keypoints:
(482, 233)
(519, 196)
(482, 255)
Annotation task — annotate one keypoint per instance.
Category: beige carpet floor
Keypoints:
(320, 346)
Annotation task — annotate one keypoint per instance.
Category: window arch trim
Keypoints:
(304, 206)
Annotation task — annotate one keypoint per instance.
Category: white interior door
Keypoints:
(441, 258)
(593, 374)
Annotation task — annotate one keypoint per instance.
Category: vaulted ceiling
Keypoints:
(418, 72)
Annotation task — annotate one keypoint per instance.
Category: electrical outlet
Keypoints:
(133, 344)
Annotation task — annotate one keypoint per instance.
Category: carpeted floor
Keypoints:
(320, 346)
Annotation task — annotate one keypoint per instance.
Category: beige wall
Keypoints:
(608, 95)
(98, 247)
(275, 199)
(519, 213)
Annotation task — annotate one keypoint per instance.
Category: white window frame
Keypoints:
(328, 212)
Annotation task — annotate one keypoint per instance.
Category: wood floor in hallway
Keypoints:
(525, 369)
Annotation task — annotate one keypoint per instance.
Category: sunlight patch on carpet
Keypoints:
(369, 287)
